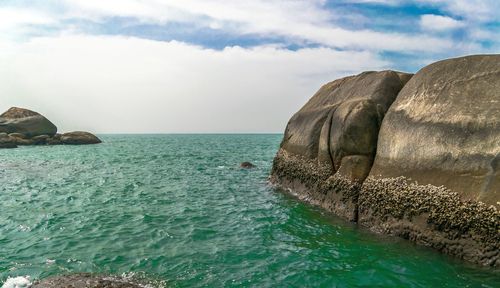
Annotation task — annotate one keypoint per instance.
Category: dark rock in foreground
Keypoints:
(22, 127)
(85, 280)
(429, 171)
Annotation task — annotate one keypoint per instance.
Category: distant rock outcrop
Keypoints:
(20, 127)
(428, 171)
(79, 138)
(26, 122)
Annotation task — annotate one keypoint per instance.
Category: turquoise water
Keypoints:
(178, 208)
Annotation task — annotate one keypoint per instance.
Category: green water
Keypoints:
(177, 208)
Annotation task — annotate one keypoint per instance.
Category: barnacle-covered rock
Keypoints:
(334, 137)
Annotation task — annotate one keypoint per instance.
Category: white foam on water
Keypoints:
(17, 282)
(50, 261)
(24, 228)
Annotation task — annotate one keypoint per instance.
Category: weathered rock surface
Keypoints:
(27, 122)
(26, 127)
(435, 177)
(330, 143)
(86, 280)
(6, 141)
(442, 130)
(55, 140)
(18, 135)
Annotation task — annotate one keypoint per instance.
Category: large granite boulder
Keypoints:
(26, 122)
(436, 175)
(329, 144)
(420, 159)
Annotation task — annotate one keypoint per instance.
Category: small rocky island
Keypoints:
(20, 127)
(417, 156)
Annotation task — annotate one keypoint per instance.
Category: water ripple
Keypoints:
(179, 208)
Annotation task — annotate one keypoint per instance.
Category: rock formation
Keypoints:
(427, 171)
(20, 127)
(78, 138)
(26, 122)
(329, 145)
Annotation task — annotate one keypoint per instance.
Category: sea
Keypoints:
(179, 211)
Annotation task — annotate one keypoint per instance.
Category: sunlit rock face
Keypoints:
(414, 156)
(444, 129)
(330, 143)
(442, 134)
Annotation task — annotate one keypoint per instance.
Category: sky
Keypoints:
(214, 66)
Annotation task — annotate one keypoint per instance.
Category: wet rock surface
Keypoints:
(86, 280)
(419, 160)
(432, 216)
(23, 127)
(247, 165)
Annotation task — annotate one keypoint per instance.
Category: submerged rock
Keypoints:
(27, 122)
(79, 138)
(247, 165)
(86, 280)
(428, 170)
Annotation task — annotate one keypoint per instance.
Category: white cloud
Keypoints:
(145, 11)
(476, 10)
(385, 2)
(117, 84)
(296, 20)
(14, 17)
(439, 23)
